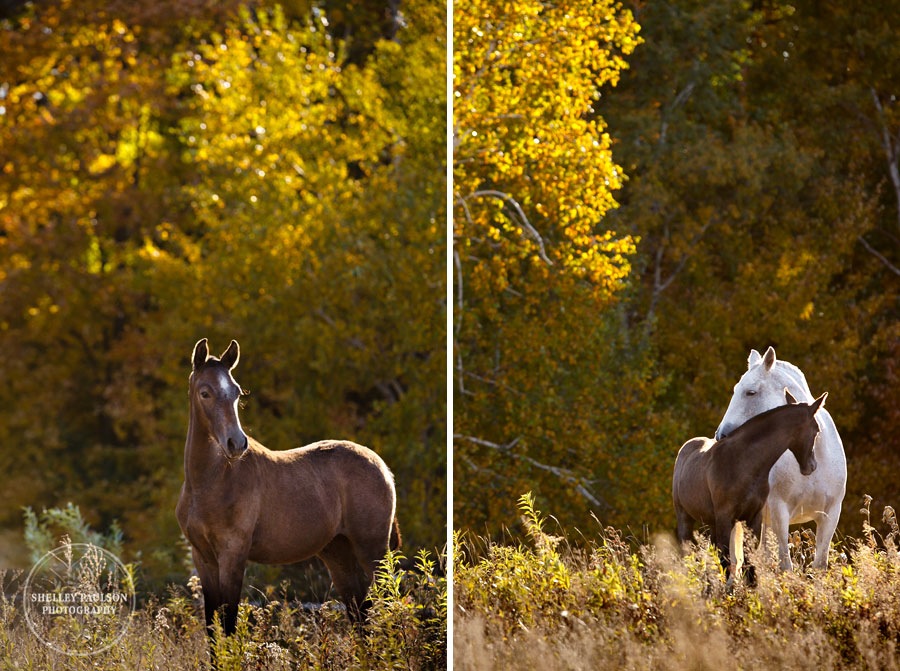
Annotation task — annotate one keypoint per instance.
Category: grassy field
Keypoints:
(406, 630)
(547, 604)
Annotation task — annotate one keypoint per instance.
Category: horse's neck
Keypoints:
(201, 457)
(795, 381)
(762, 457)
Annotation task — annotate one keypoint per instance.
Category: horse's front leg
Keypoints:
(208, 570)
(231, 580)
(780, 520)
(826, 523)
(756, 526)
(724, 526)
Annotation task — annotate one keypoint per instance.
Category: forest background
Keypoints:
(270, 173)
(644, 192)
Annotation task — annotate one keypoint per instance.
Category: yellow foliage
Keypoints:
(527, 78)
(536, 269)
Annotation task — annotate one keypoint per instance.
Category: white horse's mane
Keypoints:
(797, 376)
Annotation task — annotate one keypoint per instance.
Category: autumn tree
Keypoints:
(760, 144)
(205, 171)
(756, 152)
(542, 383)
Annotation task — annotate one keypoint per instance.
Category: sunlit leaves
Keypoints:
(527, 79)
(536, 266)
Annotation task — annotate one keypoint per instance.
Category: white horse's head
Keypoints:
(762, 388)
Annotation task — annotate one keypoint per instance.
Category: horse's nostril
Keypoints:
(236, 446)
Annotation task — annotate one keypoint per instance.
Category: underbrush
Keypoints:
(604, 604)
(406, 630)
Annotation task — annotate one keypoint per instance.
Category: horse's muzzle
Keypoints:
(810, 467)
(234, 449)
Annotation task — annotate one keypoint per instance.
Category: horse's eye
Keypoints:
(750, 392)
(205, 394)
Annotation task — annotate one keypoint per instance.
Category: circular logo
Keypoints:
(79, 599)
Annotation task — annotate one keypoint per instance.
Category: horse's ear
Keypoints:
(753, 359)
(789, 397)
(232, 355)
(818, 403)
(769, 358)
(201, 353)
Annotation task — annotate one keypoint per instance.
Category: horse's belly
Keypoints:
(278, 554)
(294, 533)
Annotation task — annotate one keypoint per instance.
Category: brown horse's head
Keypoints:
(808, 431)
(214, 397)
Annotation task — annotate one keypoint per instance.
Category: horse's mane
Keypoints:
(797, 376)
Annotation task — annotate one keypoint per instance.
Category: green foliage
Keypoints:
(272, 634)
(407, 625)
(661, 608)
(43, 532)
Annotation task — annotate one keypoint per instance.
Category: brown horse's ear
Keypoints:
(201, 353)
(818, 403)
(232, 355)
(789, 397)
(769, 358)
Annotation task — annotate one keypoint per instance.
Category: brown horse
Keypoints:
(241, 501)
(721, 484)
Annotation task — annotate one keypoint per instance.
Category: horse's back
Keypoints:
(315, 492)
(346, 456)
(342, 463)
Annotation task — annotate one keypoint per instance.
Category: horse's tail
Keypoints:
(395, 535)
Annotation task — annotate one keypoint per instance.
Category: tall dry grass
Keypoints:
(547, 604)
(406, 630)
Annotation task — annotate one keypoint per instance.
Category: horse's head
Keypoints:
(214, 397)
(807, 430)
(761, 388)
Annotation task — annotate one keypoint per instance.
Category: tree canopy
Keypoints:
(175, 171)
(744, 161)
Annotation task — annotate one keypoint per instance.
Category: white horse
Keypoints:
(793, 498)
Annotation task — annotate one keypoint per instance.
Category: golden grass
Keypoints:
(549, 605)
(406, 630)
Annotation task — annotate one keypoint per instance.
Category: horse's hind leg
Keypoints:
(350, 580)
(684, 530)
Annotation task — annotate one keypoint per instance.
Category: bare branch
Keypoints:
(519, 217)
(493, 383)
(457, 264)
(487, 443)
(891, 150)
(564, 474)
(890, 266)
(660, 284)
(680, 100)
